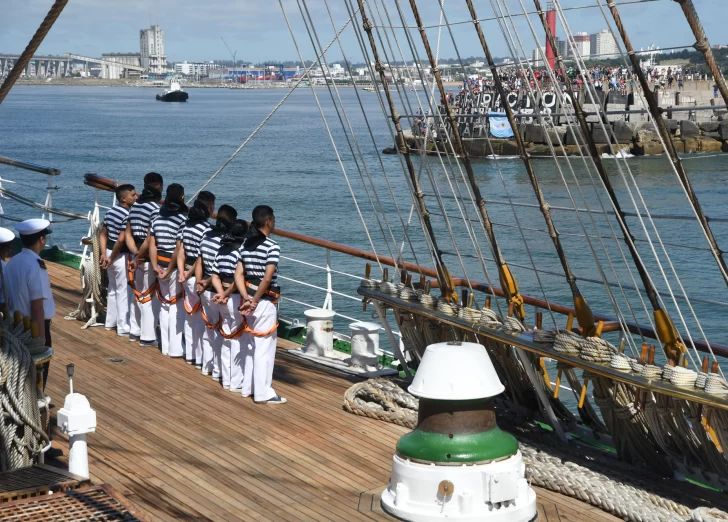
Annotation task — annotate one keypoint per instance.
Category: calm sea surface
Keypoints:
(122, 133)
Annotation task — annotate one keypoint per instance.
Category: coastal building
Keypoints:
(114, 73)
(151, 44)
(582, 43)
(196, 69)
(603, 45)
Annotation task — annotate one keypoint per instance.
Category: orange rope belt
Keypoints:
(142, 297)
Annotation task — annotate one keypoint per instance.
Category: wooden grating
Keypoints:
(97, 503)
(35, 481)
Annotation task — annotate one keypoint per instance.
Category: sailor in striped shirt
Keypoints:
(257, 272)
(211, 339)
(228, 299)
(163, 253)
(114, 260)
(144, 313)
(189, 240)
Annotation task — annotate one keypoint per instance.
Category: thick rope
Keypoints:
(32, 47)
(93, 302)
(22, 435)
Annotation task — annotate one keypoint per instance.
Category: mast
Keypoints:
(508, 282)
(656, 113)
(666, 330)
(443, 276)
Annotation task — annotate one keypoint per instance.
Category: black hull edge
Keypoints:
(178, 96)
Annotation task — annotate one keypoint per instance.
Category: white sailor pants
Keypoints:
(194, 324)
(260, 352)
(171, 315)
(211, 339)
(145, 315)
(117, 297)
(230, 363)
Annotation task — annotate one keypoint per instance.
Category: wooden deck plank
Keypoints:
(183, 448)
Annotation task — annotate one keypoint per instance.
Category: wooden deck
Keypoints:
(179, 446)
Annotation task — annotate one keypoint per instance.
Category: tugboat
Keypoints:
(173, 94)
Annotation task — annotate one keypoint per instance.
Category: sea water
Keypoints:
(291, 165)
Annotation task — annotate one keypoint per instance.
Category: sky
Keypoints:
(257, 29)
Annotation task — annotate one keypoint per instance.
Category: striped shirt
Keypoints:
(115, 222)
(255, 262)
(191, 237)
(141, 216)
(208, 250)
(165, 230)
(225, 264)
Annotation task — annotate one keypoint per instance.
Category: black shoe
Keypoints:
(149, 344)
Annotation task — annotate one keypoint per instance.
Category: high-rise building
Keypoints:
(603, 45)
(582, 42)
(151, 44)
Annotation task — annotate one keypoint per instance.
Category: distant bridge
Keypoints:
(59, 66)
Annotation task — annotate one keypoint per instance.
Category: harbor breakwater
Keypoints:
(616, 122)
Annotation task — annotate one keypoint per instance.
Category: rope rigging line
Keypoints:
(444, 279)
(454, 157)
(668, 144)
(392, 132)
(511, 45)
(507, 280)
(651, 218)
(405, 238)
(313, 35)
(265, 120)
(425, 165)
(424, 159)
(331, 137)
(597, 161)
(665, 325)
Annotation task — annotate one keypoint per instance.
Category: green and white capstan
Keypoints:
(457, 464)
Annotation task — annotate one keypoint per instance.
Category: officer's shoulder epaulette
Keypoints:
(41, 263)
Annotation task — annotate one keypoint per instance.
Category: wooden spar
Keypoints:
(32, 47)
(443, 276)
(666, 330)
(29, 166)
(583, 312)
(703, 45)
(656, 113)
(507, 280)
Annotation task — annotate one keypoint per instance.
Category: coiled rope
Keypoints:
(383, 400)
(22, 435)
(92, 302)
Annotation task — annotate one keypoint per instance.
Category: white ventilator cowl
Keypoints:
(456, 372)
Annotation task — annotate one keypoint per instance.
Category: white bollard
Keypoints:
(365, 350)
(319, 331)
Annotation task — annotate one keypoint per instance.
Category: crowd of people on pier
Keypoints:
(195, 289)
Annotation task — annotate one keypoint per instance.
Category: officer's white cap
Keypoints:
(6, 236)
(33, 226)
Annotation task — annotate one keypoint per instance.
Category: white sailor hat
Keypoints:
(33, 226)
(6, 236)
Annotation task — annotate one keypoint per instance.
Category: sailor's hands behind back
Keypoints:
(220, 299)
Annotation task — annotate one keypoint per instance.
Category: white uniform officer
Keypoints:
(29, 289)
(6, 239)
